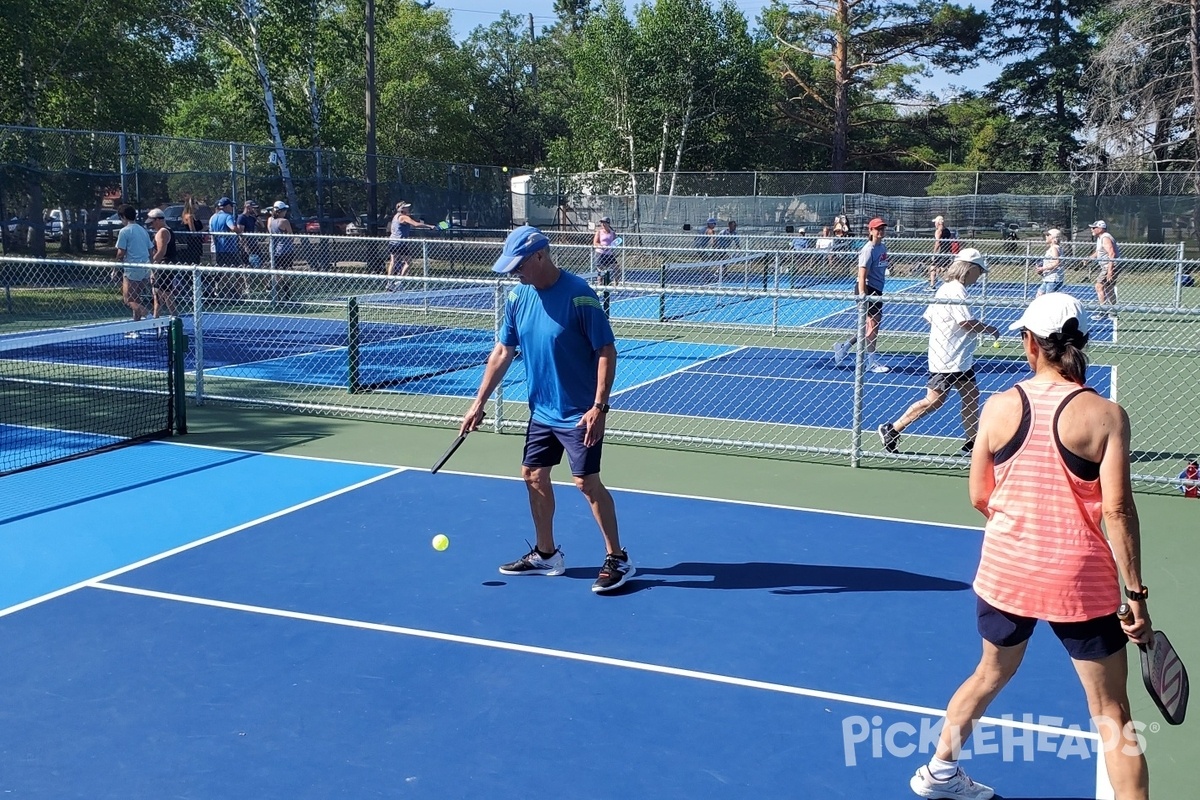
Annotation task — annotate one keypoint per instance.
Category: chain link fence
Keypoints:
(722, 349)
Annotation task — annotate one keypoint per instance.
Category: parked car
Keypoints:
(108, 227)
(53, 225)
(357, 226)
(335, 221)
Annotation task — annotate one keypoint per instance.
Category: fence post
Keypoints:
(1028, 262)
(860, 372)
(123, 147)
(352, 346)
(233, 173)
(1179, 277)
(198, 330)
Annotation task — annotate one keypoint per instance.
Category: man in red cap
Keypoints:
(872, 273)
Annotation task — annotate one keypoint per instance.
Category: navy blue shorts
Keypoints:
(1090, 640)
(544, 447)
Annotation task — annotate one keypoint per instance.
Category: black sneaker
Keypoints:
(616, 570)
(534, 563)
(889, 436)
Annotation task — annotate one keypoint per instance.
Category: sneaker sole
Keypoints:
(618, 584)
(549, 573)
(922, 789)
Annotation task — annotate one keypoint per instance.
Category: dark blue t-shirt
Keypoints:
(559, 330)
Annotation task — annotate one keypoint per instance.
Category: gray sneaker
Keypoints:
(960, 787)
(533, 563)
(840, 351)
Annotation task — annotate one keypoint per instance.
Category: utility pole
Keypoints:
(372, 200)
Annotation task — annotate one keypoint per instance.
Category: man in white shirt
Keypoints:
(953, 334)
(133, 251)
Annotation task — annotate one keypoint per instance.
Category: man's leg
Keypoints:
(603, 509)
(1104, 683)
(541, 505)
(931, 402)
(969, 392)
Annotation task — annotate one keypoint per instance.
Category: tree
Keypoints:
(1042, 90)
(845, 63)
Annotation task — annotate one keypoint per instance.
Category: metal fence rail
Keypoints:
(720, 349)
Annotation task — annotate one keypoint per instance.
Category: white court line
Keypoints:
(185, 547)
(569, 655)
(687, 367)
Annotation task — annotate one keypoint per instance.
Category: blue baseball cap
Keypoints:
(224, 201)
(524, 241)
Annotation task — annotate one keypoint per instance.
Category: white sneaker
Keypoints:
(840, 351)
(532, 563)
(960, 787)
(875, 365)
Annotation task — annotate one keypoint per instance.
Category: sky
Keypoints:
(466, 15)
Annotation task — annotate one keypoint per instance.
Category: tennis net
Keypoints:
(409, 340)
(68, 393)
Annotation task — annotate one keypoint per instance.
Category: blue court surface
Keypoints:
(191, 622)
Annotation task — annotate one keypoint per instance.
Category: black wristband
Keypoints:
(1141, 595)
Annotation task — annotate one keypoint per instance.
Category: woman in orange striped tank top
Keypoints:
(1050, 462)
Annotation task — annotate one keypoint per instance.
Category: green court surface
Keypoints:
(1170, 539)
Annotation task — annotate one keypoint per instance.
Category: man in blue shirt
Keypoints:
(570, 364)
(222, 226)
(872, 274)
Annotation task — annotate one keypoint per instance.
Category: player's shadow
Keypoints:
(781, 578)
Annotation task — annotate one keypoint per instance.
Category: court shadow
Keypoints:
(781, 578)
(1159, 455)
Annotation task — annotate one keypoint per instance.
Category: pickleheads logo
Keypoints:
(1008, 737)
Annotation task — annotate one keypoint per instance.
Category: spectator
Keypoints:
(728, 239)
(247, 223)
(872, 275)
(223, 229)
(190, 242)
(707, 238)
(570, 360)
(605, 256)
(1051, 269)
(399, 230)
(941, 250)
(1106, 256)
(163, 283)
(1190, 474)
(953, 334)
(283, 247)
(133, 251)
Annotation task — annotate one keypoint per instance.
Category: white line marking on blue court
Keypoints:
(679, 371)
(568, 655)
(183, 548)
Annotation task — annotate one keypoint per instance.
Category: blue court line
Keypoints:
(851, 605)
(152, 493)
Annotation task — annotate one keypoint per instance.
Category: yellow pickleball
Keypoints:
(440, 542)
(996, 344)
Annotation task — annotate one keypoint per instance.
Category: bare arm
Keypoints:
(1120, 515)
(606, 373)
(977, 326)
(497, 364)
(982, 478)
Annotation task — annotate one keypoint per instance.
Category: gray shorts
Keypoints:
(943, 382)
(1102, 275)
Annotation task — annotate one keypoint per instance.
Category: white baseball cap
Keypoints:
(1054, 232)
(279, 205)
(1101, 224)
(972, 256)
(939, 218)
(1048, 314)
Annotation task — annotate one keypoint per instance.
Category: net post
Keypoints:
(177, 341)
(352, 346)
(662, 295)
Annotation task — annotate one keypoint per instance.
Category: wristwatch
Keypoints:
(1142, 595)
(602, 407)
